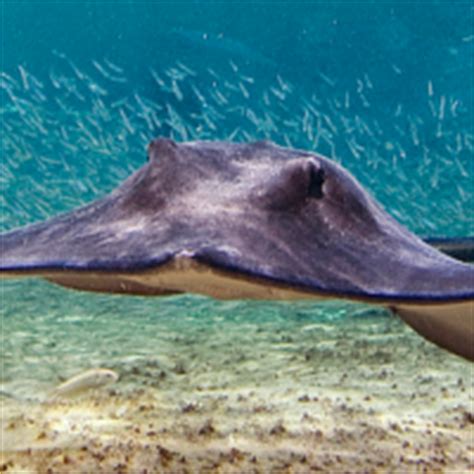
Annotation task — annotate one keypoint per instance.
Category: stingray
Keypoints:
(249, 220)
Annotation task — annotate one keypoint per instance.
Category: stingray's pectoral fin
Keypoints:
(105, 282)
(449, 325)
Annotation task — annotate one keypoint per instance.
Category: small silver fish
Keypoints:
(88, 380)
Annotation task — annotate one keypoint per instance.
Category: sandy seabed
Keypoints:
(365, 395)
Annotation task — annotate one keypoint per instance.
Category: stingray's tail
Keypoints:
(461, 248)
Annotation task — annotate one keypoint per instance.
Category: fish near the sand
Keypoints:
(89, 380)
(249, 221)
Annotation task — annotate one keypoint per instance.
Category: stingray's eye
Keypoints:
(316, 181)
(161, 148)
(291, 186)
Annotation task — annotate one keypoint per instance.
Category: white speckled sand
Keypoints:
(292, 390)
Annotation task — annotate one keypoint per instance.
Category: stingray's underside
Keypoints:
(445, 321)
(249, 221)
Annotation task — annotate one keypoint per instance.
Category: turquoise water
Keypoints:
(383, 88)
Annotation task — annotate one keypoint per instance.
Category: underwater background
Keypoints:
(384, 88)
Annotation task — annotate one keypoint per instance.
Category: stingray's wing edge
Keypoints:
(450, 326)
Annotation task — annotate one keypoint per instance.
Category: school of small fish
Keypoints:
(74, 133)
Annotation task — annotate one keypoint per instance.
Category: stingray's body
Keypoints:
(249, 221)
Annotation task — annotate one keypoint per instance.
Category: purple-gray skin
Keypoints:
(249, 221)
